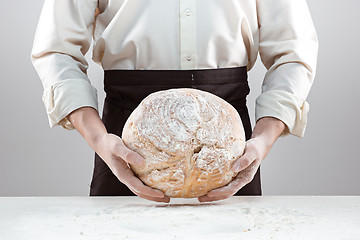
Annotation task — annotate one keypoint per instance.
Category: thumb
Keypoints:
(128, 155)
(245, 160)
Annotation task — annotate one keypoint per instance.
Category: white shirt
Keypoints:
(177, 34)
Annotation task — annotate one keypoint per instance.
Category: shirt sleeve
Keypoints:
(288, 48)
(63, 36)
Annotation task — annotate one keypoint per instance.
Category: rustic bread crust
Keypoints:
(189, 138)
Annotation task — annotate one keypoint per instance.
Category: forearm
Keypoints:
(268, 129)
(87, 122)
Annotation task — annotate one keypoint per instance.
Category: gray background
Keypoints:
(39, 161)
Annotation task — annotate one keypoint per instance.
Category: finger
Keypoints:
(146, 190)
(165, 199)
(206, 198)
(229, 189)
(242, 178)
(130, 180)
(129, 156)
(122, 171)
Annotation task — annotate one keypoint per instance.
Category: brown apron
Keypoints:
(125, 89)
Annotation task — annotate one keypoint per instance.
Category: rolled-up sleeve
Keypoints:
(63, 36)
(288, 47)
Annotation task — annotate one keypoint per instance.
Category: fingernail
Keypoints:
(161, 194)
(210, 194)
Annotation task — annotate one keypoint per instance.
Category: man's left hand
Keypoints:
(246, 167)
(266, 131)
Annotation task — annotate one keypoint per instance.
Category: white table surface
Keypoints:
(266, 217)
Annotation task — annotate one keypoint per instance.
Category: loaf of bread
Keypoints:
(189, 138)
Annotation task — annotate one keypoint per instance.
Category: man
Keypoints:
(146, 46)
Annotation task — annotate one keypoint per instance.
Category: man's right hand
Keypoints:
(113, 151)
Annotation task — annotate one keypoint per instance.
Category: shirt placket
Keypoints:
(187, 33)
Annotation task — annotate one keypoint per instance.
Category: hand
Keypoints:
(113, 151)
(265, 133)
(246, 167)
(117, 156)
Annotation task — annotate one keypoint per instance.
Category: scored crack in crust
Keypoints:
(189, 139)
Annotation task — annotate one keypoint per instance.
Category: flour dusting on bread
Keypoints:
(189, 138)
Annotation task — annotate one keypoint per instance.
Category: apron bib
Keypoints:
(125, 89)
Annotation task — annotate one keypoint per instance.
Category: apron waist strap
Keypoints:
(127, 88)
(127, 77)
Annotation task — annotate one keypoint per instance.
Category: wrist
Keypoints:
(96, 140)
(87, 122)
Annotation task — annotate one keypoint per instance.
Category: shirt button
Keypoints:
(188, 58)
(188, 12)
